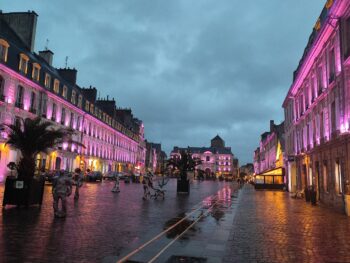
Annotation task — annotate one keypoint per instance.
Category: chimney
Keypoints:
(68, 74)
(24, 24)
(47, 55)
(272, 125)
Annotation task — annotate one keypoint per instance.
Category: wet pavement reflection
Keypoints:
(100, 227)
(198, 235)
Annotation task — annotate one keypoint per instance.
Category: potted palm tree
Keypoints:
(184, 164)
(31, 137)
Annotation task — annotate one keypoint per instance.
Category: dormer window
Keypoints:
(47, 81)
(64, 92)
(3, 50)
(92, 108)
(87, 106)
(56, 86)
(73, 100)
(36, 72)
(80, 100)
(23, 63)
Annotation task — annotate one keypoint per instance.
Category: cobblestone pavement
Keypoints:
(272, 227)
(99, 225)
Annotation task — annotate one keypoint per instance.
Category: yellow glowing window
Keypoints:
(91, 108)
(3, 49)
(56, 86)
(64, 92)
(23, 63)
(47, 81)
(73, 100)
(87, 106)
(36, 72)
(80, 100)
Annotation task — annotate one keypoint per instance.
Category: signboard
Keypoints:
(19, 184)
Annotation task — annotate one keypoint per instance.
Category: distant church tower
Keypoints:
(217, 142)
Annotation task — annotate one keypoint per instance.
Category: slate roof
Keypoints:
(214, 150)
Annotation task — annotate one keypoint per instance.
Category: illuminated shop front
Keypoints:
(271, 179)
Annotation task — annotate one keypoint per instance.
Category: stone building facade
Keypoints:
(30, 86)
(269, 155)
(155, 158)
(317, 109)
(217, 159)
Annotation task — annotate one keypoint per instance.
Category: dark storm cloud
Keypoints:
(189, 69)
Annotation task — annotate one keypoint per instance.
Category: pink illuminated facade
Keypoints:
(317, 109)
(217, 160)
(30, 86)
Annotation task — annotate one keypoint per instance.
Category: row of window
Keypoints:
(319, 78)
(319, 128)
(75, 99)
(98, 151)
(43, 109)
(324, 170)
(66, 118)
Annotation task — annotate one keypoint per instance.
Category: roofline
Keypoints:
(316, 45)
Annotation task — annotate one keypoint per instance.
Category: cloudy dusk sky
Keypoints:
(189, 69)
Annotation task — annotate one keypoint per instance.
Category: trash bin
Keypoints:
(313, 195)
(307, 194)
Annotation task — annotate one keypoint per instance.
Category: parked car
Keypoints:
(136, 178)
(127, 179)
(111, 175)
(94, 176)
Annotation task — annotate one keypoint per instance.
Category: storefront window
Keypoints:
(338, 177)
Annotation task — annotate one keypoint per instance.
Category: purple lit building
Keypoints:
(317, 109)
(217, 159)
(30, 86)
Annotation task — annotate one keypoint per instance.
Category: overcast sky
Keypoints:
(189, 69)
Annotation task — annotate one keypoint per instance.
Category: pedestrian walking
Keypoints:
(145, 183)
(78, 178)
(116, 189)
(61, 188)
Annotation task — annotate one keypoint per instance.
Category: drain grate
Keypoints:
(186, 259)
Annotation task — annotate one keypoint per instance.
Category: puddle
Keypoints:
(180, 227)
(186, 259)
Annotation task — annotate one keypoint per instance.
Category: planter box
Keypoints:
(23, 192)
(183, 186)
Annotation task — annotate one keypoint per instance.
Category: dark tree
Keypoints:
(33, 136)
(184, 163)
